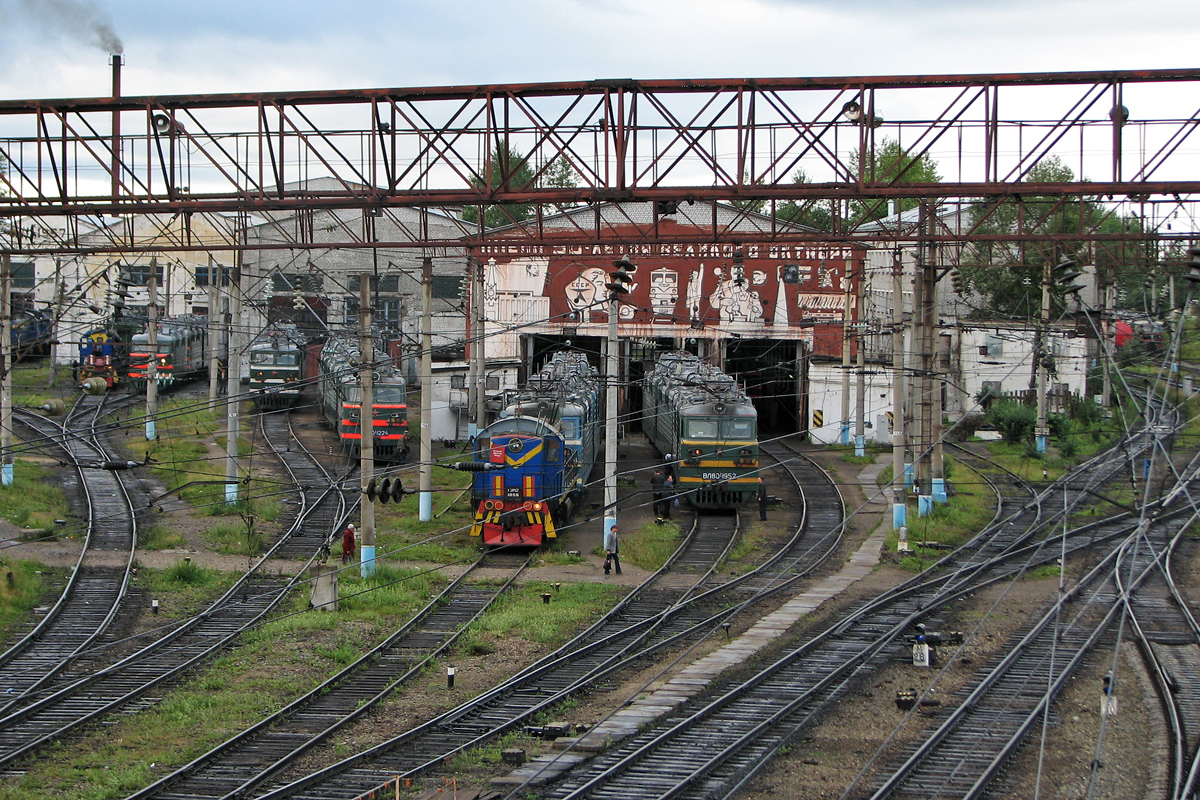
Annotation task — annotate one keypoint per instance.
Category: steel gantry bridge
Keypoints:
(1128, 138)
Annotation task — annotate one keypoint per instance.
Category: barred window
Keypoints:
(23, 276)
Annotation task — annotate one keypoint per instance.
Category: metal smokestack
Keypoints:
(116, 61)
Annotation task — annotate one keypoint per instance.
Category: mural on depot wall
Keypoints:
(767, 290)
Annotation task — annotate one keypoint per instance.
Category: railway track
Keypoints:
(141, 677)
(238, 765)
(319, 516)
(651, 618)
(712, 748)
(94, 595)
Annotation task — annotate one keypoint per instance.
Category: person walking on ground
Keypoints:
(348, 544)
(658, 485)
(612, 546)
(669, 496)
(762, 498)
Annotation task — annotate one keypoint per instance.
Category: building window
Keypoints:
(22, 275)
(993, 388)
(493, 383)
(140, 274)
(447, 287)
(993, 347)
(458, 381)
(200, 275)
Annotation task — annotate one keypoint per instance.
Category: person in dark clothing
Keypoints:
(612, 545)
(658, 486)
(762, 498)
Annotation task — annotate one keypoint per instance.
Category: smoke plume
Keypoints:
(82, 20)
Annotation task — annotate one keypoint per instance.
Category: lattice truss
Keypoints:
(406, 155)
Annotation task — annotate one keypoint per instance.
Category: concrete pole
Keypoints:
(899, 437)
(938, 464)
(847, 320)
(611, 372)
(214, 359)
(55, 323)
(152, 353)
(233, 384)
(425, 510)
(6, 356)
(860, 395)
(475, 388)
(1041, 432)
(366, 418)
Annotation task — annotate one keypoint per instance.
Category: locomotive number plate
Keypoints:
(718, 476)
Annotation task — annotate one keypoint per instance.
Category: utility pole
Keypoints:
(616, 287)
(899, 437)
(847, 332)
(152, 352)
(860, 396)
(475, 349)
(214, 359)
(55, 323)
(425, 508)
(366, 418)
(6, 356)
(1041, 432)
(232, 381)
(481, 353)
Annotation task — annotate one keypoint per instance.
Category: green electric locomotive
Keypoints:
(703, 419)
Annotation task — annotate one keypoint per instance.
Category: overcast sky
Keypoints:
(50, 48)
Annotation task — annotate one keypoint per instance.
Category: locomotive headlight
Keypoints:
(537, 506)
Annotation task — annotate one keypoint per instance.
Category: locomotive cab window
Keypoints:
(483, 446)
(385, 393)
(701, 429)
(737, 429)
(553, 450)
(570, 428)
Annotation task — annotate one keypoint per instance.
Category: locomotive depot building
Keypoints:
(770, 313)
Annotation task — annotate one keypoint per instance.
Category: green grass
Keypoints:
(189, 448)
(157, 537)
(522, 613)
(950, 524)
(446, 538)
(234, 539)
(182, 589)
(273, 665)
(26, 591)
(35, 499)
(651, 545)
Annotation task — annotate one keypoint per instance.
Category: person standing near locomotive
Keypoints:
(762, 498)
(658, 486)
(348, 544)
(612, 545)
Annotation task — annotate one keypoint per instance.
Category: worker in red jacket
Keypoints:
(348, 544)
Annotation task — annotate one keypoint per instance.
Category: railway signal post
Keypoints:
(618, 286)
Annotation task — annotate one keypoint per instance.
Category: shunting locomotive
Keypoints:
(278, 367)
(703, 418)
(532, 464)
(181, 352)
(341, 398)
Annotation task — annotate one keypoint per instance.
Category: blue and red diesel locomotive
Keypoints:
(532, 464)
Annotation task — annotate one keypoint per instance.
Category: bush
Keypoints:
(1015, 421)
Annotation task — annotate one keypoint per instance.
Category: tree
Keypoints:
(1008, 274)
(889, 163)
(512, 171)
(811, 213)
